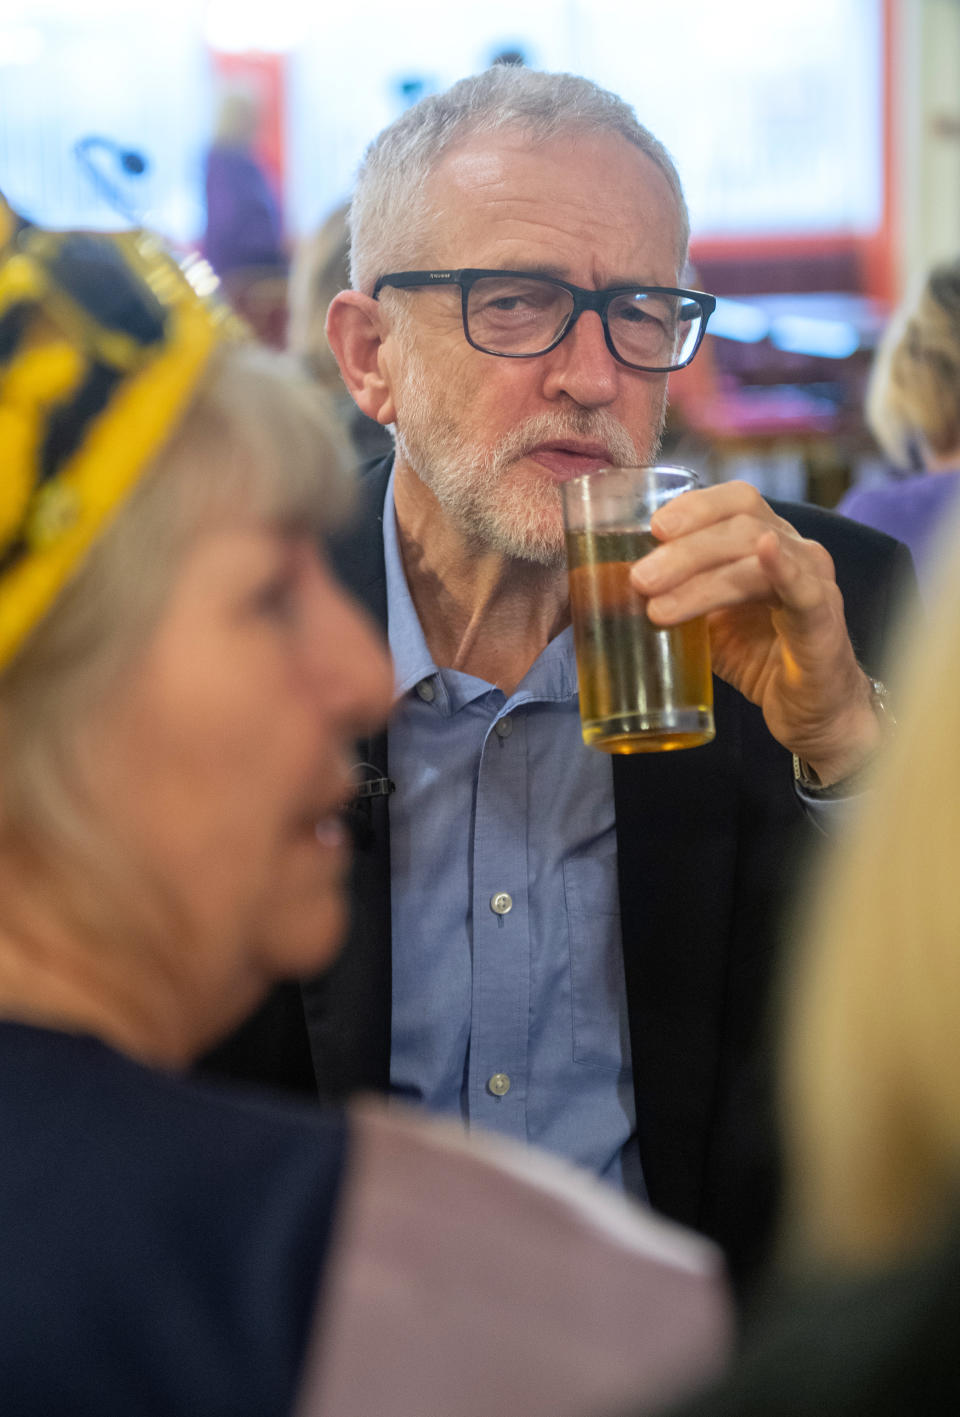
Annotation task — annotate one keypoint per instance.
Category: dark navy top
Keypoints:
(161, 1240)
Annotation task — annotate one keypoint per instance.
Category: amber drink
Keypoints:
(643, 688)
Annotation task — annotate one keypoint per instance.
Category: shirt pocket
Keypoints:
(598, 990)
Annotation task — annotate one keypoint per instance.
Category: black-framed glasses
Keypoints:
(518, 315)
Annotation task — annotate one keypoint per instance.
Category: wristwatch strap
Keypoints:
(808, 781)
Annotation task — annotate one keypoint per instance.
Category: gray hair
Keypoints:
(257, 441)
(389, 219)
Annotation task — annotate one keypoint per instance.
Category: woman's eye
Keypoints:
(276, 598)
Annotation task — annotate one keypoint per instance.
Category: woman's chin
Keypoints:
(304, 941)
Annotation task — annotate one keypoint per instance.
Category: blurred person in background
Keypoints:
(244, 239)
(320, 270)
(244, 227)
(565, 948)
(181, 679)
(866, 1319)
(913, 410)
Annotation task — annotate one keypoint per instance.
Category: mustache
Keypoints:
(595, 425)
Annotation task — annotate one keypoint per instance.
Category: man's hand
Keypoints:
(777, 631)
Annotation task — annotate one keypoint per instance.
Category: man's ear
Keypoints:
(356, 331)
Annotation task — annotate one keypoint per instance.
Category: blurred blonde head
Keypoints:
(320, 270)
(257, 441)
(913, 399)
(871, 1100)
(238, 117)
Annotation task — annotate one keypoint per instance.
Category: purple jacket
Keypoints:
(244, 226)
(912, 509)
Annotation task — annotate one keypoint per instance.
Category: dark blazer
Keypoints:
(709, 843)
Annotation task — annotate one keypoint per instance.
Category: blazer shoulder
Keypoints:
(875, 573)
(831, 527)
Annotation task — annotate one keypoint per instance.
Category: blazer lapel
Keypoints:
(677, 843)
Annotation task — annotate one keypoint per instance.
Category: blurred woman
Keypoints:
(181, 682)
(913, 410)
(871, 1094)
(244, 230)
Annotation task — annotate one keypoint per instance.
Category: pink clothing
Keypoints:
(468, 1280)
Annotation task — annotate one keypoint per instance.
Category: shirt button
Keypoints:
(503, 727)
(426, 691)
(501, 904)
(499, 1084)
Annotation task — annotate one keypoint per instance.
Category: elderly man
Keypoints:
(569, 949)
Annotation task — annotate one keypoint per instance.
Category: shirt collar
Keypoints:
(412, 661)
(553, 677)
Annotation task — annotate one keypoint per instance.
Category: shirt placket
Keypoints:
(498, 1067)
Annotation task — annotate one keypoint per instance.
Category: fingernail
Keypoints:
(666, 606)
(646, 573)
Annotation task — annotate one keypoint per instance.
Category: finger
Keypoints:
(728, 541)
(801, 577)
(705, 506)
(777, 574)
(733, 584)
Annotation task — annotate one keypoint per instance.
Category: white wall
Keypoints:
(772, 111)
(928, 91)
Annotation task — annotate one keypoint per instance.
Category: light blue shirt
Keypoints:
(509, 998)
(509, 1001)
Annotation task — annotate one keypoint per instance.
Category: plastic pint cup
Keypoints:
(643, 689)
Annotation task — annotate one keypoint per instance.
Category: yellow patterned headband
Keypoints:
(102, 342)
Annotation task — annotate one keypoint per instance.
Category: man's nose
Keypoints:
(582, 366)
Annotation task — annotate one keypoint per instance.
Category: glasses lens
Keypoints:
(516, 314)
(657, 331)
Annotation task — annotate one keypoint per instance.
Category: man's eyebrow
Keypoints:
(551, 272)
(536, 268)
(544, 269)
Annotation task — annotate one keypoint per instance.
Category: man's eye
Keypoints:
(512, 297)
(512, 303)
(651, 317)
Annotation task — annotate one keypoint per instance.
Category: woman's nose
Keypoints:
(351, 664)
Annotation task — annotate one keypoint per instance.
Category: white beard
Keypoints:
(520, 518)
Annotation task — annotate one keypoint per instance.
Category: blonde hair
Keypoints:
(871, 1094)
(257, 441)
(320, 270)
(913, 397)
(238, 117)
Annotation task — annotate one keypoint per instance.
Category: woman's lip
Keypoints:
(565, 463)
(331, 832)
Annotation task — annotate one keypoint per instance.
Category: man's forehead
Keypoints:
(510, 183)
(475, 164)
(483, 158)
